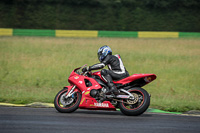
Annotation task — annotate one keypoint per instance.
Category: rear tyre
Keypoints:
(67, 105)
(137, 106)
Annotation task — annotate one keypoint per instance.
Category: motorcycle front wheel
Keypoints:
(136, 106)
(67, 105)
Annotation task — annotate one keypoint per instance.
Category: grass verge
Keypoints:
(34, 69)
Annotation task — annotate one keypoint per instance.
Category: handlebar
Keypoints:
(79, 70)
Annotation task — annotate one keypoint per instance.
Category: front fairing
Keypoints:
(79, 81)
(87, 102)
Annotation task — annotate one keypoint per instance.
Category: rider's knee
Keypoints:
(104, 72)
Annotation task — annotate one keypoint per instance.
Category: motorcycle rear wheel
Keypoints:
(137, 106)
(67, 105)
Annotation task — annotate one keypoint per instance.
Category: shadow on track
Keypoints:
(107, 113)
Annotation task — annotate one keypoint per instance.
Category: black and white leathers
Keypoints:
(115, 65)
(116, 71)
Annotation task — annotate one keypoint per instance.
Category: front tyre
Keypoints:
(67, 105)
(138, 105)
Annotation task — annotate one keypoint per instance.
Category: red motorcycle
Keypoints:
(87, 89)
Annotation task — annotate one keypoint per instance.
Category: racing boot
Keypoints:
(113, 88)
(111, 85)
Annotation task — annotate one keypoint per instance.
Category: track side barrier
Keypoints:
(6, 32)
(76, 33)
(94, 33)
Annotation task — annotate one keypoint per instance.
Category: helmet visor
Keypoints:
(100, 56)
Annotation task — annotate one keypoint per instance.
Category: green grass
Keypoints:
(34, 69)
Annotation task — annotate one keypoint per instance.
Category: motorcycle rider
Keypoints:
(116, 69)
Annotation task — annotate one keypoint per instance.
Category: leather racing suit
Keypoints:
(116, 70)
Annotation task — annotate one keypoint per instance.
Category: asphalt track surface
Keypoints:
(48, 120)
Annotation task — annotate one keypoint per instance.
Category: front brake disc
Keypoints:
(66, 101)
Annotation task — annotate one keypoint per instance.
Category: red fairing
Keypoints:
(91, 103)
(79, 81)
(88, 102)
(98, 73)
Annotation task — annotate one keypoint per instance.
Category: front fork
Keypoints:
(71, 92)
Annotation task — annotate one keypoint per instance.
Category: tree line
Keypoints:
(113, 15)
